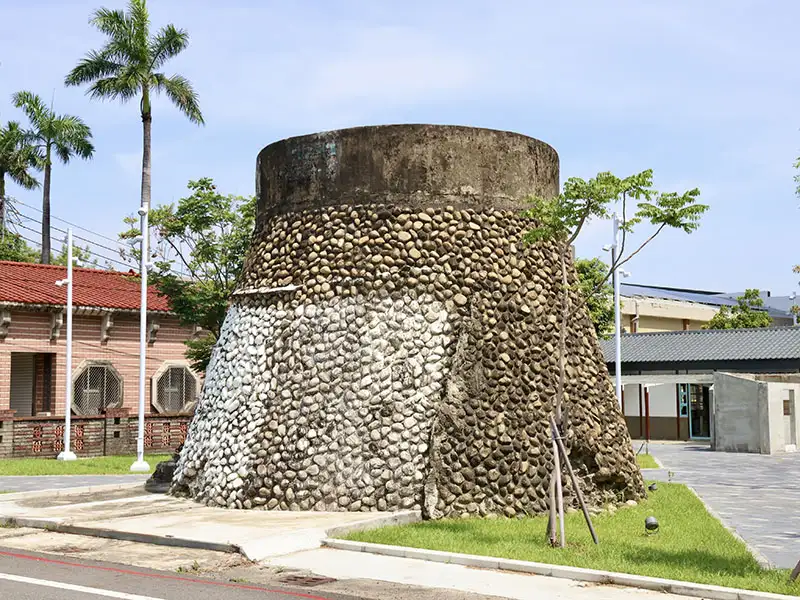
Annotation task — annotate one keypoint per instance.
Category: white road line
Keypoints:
(75, 588)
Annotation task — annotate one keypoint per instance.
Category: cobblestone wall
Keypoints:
(395, 347)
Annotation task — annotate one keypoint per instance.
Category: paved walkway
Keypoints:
(134, 515)
(21, 483)
(757, 495)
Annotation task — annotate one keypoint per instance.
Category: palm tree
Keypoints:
(63, 135)
(128, 67)
(16, 157)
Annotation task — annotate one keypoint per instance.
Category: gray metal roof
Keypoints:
(701, 297)
(766, 343)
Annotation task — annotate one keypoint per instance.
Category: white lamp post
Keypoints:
(140, 465)
(66, 453)
(615, 274)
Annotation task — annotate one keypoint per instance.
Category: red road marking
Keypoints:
(161, 576)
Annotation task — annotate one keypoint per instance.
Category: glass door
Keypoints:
(699, 412)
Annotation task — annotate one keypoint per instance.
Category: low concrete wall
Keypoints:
(749, 412)
(736, 413)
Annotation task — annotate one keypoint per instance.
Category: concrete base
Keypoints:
(67, 455)
(140, 466)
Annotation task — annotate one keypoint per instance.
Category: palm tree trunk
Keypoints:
(46, 210)
(2, 202)
(147, 121)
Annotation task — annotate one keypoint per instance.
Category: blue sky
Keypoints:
(705, 93)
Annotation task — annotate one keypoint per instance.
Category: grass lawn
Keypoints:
(646, 461)
(102, 465)
(691, 545)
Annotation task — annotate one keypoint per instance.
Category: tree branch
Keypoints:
(639, 249)
(182, 258)
(616, 264)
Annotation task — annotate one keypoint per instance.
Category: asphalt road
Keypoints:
(31, 576)
(23, 483)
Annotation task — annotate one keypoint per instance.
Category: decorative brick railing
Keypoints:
(111, 433)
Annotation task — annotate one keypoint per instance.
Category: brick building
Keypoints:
(105, 360)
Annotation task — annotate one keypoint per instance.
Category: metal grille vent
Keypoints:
(176, 389)
(306, 580)
(96, 388)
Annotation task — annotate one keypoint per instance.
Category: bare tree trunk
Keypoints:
(45, 258)
(559, 490)
(552, 537)
(574, 480)
(147, 122)
(556, 492)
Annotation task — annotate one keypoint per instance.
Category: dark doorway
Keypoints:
(699, 412)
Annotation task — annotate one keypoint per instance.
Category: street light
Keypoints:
(793, 309)
(614, 247)
(66, 453)
(140, 465)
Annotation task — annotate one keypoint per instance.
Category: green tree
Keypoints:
(17, 157)
(128, 66)
(13, 247)
(597, 293)
(748, 312)
(561, 219)
(50, 134)
(199, 251)
(82, 255)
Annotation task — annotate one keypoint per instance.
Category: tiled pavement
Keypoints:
(757, 495)
(22, 483)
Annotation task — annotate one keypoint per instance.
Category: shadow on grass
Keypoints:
(694, 560)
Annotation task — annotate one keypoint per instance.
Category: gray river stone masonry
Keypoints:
(392, 343)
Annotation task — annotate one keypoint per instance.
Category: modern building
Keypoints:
(648, 308)
(105, 357)
(734, 387)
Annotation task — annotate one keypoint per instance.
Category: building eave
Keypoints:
(78, 310)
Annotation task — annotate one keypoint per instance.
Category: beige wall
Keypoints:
(664, 315)
(30, 332)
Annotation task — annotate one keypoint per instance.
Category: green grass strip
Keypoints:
(690, 545)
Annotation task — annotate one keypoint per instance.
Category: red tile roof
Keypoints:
(30, 283)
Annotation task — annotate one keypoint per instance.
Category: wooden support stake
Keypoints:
(795, 572)
(559, 491)
(552, 538)
(574, 479)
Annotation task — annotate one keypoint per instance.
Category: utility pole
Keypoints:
(140, 465)
(66, 453)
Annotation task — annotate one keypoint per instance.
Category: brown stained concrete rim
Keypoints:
(443, 126)
(414, 165)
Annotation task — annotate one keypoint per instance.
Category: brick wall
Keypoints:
(110, 434)
(31, 332)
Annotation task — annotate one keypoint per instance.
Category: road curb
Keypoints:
(54, 493)
(58, 526)
(400, 518)
(685, 588)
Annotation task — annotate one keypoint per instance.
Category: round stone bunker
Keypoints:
(391, 341)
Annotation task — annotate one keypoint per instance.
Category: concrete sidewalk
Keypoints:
(129, 513)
